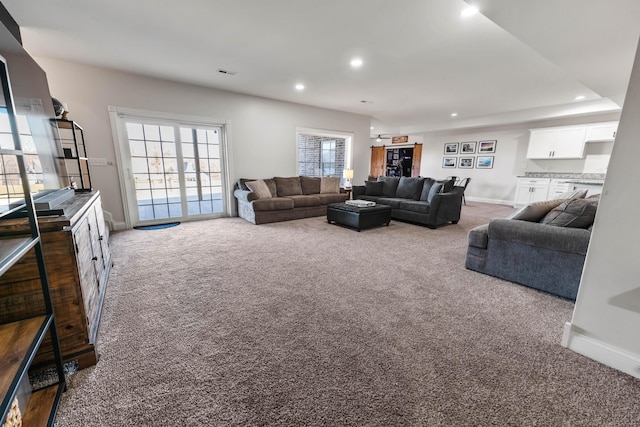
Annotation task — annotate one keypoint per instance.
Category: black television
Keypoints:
(33, 106)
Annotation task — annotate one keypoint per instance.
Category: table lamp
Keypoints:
(347, 174)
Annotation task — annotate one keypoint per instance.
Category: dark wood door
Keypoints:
(417, 156)
(378, 160)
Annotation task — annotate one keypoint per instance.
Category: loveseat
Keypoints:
(542, 246)
(423, 201)
(261, 201)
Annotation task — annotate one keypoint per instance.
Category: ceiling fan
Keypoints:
(380, 137)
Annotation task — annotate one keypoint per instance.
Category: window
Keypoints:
(322, 153)
(10, 182)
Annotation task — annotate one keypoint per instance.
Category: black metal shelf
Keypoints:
(75, 153)
(20, 340)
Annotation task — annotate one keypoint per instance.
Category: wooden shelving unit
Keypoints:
(20, 340)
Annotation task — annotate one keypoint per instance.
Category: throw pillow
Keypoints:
(389, 185)
(426, 188)
(572, 194)
(534, 212)
(242, 183)
(409, 188)
(373, 188)
(435, 189)
(329, 185)
(573, 213)
(310, 185)
(271, 183)
(260, 188)
(447, 185)
(288, 186)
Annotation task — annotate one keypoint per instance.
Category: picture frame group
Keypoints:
(450, 160)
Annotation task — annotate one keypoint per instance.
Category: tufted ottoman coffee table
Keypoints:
(358, 218)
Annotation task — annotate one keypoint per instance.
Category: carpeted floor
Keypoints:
(302, 323)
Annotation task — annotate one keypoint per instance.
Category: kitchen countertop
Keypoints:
(573, 178)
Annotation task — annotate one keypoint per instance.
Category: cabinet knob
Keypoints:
(100, 238)
(95, 258)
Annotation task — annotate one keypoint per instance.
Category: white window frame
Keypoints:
(348, 143)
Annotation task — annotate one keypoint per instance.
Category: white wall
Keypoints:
(262, 141)
(498, 185)
(606, 320)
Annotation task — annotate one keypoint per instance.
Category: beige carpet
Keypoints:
(302, 323)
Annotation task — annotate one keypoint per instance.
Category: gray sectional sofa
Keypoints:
(542, 246)
(423, 201)
(286, 198)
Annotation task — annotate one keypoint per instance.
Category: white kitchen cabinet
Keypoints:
(529, 190)
(557, 187)
(602, 131)
(563, 142)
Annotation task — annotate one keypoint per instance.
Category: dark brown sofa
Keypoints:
(289, 198)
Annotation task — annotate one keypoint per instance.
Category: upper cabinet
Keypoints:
(602, 131)
(567, 142)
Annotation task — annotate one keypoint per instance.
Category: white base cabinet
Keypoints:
(529, 190)
(557, 187)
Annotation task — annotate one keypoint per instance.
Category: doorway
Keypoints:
(395, 161)
(172, 171)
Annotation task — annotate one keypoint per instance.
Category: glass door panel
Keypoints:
(202, 170)
(154, 165)
(176, 171)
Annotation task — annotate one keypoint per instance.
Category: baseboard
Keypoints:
(494, 201)
(609, 355)
(117, 226)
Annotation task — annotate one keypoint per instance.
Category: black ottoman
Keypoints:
(358, 218)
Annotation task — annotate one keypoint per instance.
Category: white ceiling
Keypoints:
(518, 60)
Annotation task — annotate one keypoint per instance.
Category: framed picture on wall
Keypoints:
(451, 148)
(487, 147)
(484, 162)
(468, 147)
(466, 162)
(400, 139)
(449, 162)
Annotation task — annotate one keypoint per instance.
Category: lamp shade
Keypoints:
(347, 173)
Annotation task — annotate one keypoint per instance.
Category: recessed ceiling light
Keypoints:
(580, 97)
(356, 63)
(372, 128)
(299, 86)
(471, 10)
(454, 114)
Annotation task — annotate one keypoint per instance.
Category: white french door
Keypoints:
(172, 171)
